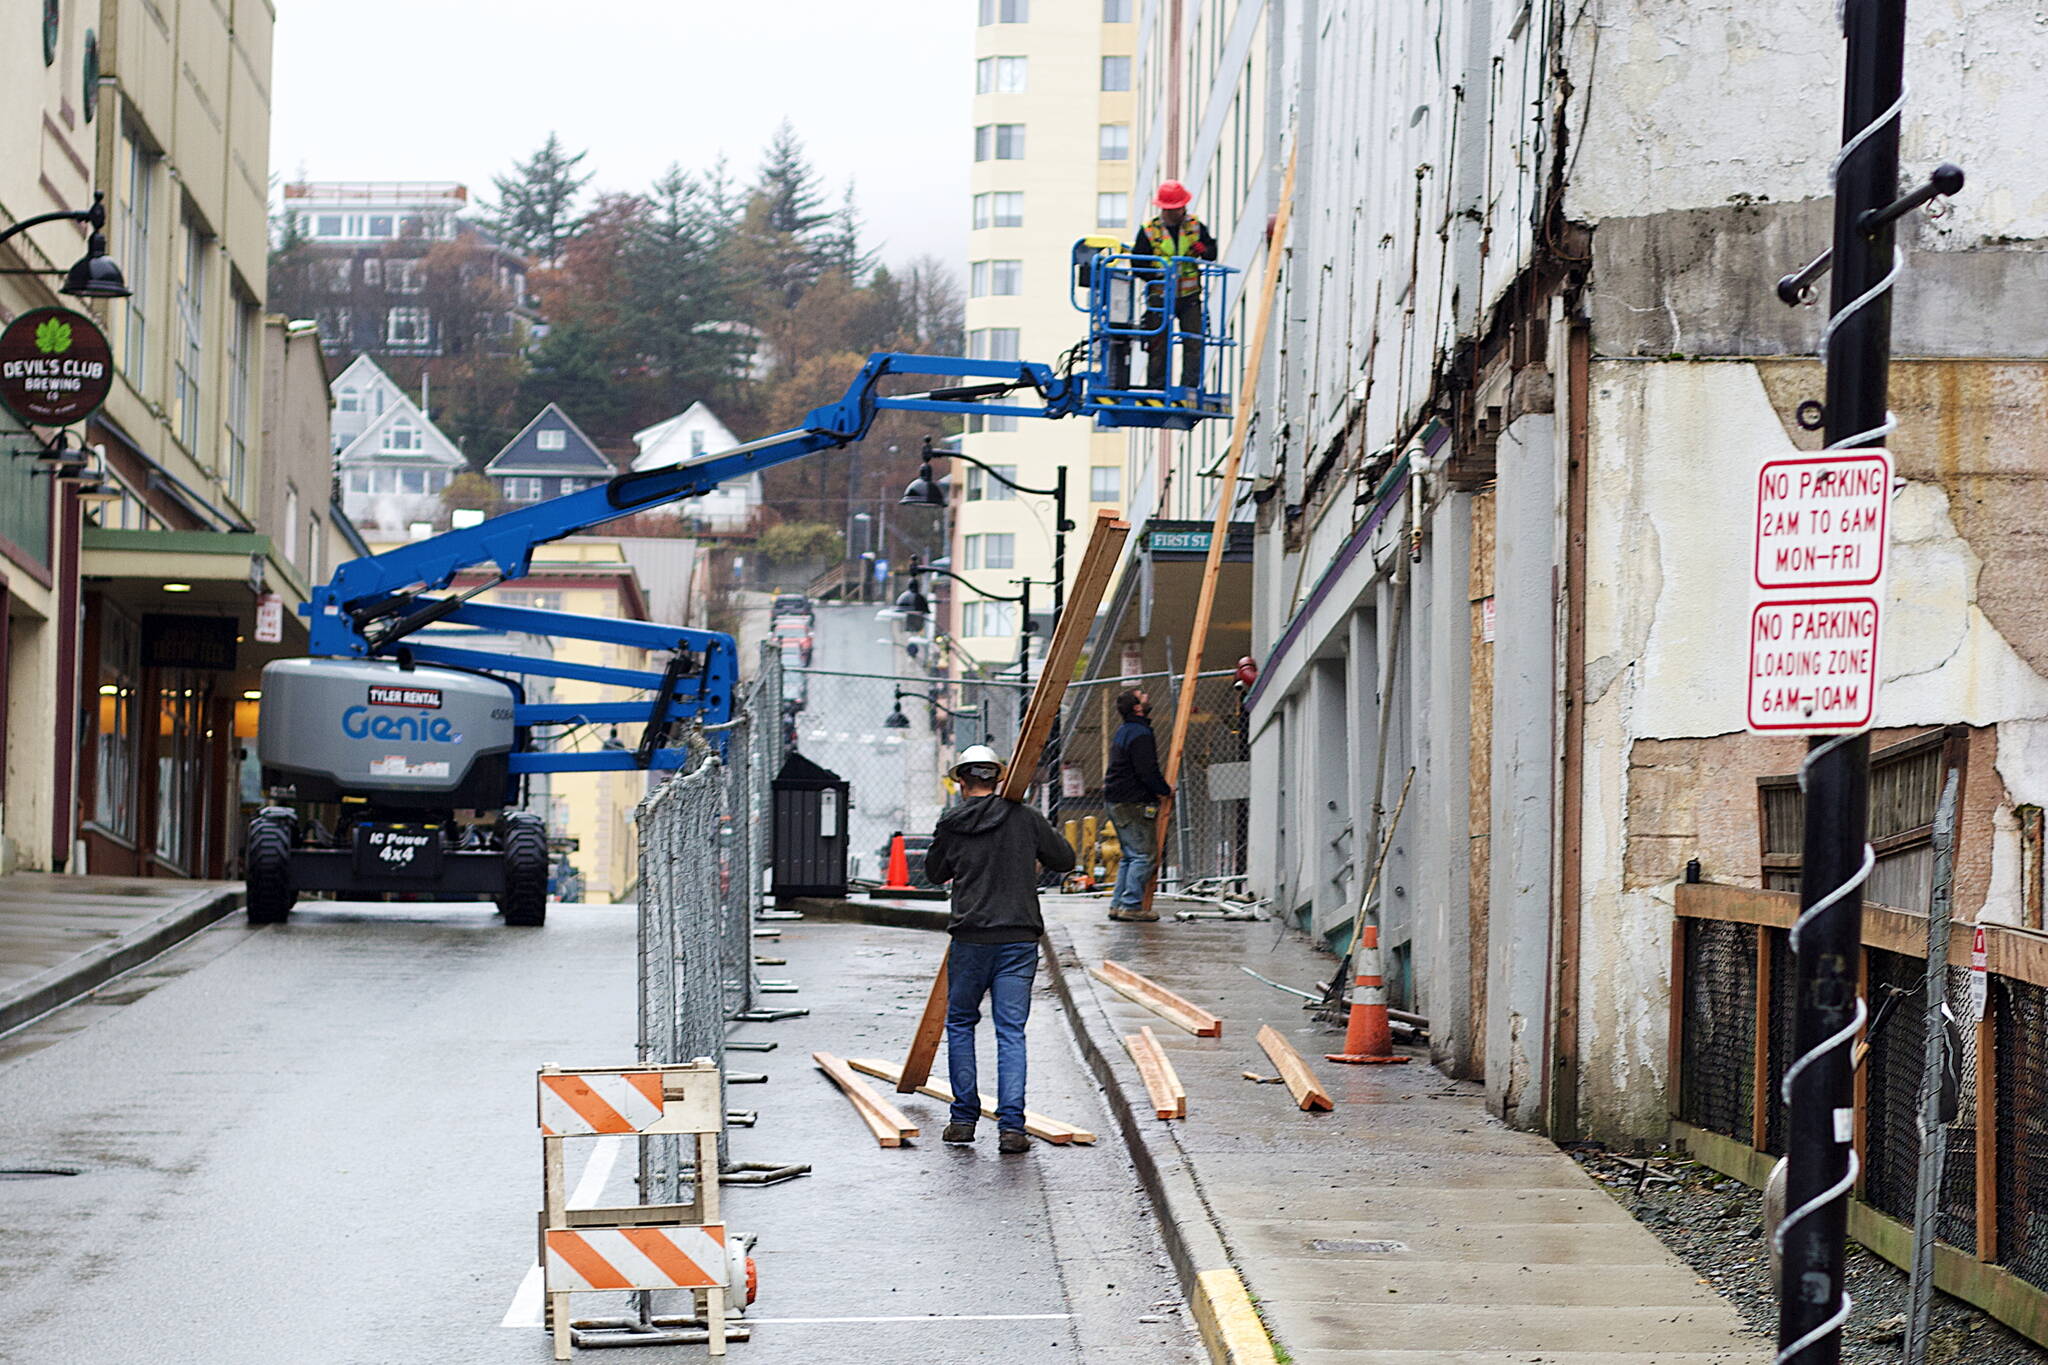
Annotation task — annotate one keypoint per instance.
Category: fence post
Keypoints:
(1933, 1130)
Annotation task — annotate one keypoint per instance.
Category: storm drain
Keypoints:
(1355, 1244)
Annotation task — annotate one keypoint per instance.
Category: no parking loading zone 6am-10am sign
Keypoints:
(1817, 581)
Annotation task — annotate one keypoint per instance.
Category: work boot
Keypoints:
(1135, 914)
(958, 1132)
(1012, 1141)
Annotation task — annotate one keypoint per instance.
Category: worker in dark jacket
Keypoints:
(990, 850)
(1134, 787)
(1173, 234)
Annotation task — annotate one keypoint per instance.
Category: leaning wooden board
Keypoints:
(1038, 1125)
(1161, 1001)
(924, 1044)
(1069, 634)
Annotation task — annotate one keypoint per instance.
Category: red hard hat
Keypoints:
(1172, 195)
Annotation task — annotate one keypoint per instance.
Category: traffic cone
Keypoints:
(899, 865)
(1367, 1039)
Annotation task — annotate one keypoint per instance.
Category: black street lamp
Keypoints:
(94, 275)
(913, 601)
(923, 491)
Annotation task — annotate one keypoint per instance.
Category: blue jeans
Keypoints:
(1136, 834)
(1002, 972)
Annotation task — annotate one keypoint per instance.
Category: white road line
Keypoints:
(604, 1155)
(928, 1317)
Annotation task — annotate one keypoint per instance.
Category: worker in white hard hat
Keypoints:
(990, 850)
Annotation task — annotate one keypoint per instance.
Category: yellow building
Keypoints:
(1052, 163)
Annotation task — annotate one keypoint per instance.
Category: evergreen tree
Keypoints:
(839, 243)
(790, 186)
(572, 367)
(535, 212)
(679, 292)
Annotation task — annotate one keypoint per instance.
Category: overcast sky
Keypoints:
(456, 90)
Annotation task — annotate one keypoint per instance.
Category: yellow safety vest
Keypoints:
(1164, 243)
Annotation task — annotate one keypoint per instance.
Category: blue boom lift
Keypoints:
(421, 741)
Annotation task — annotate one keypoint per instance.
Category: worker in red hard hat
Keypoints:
(1176, 234)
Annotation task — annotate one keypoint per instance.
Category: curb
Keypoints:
(67, 981)
(1231, 1329)
(869, 912)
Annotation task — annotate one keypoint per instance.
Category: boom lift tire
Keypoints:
(525, 902)
(269, 859)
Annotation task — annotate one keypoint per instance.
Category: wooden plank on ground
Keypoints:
(1226, 504)
(1038, 1125)
(1069, 634)
(1173, 1085)
(1308, 1092)
(1161, 1001)
(1152, 1069)
(924, 1044)
(883, 1119)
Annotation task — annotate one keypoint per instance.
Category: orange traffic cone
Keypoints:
(899, 865)
(1367, 1039)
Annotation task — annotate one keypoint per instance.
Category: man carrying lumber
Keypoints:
(990, 850)
(1134, 787)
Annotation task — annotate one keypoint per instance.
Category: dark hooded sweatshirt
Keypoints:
(990, 850)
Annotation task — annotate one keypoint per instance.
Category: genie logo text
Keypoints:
(359, 722)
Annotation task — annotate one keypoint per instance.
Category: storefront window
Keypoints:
(114, 727)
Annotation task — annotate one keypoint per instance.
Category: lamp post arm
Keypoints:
(96, 215)
(991, 471)
(916, 569)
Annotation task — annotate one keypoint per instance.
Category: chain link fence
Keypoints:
(2020, 1011)
(1212, 800)
(1717, 1050)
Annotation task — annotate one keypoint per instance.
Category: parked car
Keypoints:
(915, 846)
(793, 604)
(792, 632)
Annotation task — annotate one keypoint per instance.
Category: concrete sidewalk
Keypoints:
(1409, 1227)
(61, 936)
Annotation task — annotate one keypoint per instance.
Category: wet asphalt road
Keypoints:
(315, 1143)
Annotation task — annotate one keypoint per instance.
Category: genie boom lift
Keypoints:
(421, 742)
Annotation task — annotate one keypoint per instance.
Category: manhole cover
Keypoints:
(35, 1172)
(1355, 1244)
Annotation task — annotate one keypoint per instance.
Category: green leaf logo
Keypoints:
(53, 336)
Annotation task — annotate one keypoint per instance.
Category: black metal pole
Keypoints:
(1821, 1115)
(1059, 544)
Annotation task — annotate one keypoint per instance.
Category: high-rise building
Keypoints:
(1052, 163)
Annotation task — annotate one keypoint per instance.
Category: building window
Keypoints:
(349, 400)
(335, 324)
(995, 422)
(380, 225)
(402, 436)
(1116, 11)
(192, 325)
(403, 277)
(994, 550)
(522, 490)
(985, 619)
(181, 699)
(696, 444)
(406, 327)
(372, 270)
(359, 481)
(114, 733)
(554, 438)
(1000, 75)
(1905, 786)
(241, 357)
(1106, 483)
(1113, 209)
(1113, 142)
(999, 142)
(139, 186)
(982, 488)
(985, 278)
(999, 209)
(994, 343)
(1005, 11)
(327, 225)
(340, 275)
(1116, 74)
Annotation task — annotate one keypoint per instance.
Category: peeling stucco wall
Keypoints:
(1669, 775)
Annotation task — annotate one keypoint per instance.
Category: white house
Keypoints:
(393, 463)
(689, 435)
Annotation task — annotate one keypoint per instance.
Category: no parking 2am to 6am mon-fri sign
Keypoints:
(1817, 582)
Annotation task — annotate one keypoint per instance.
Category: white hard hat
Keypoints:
(976, 755)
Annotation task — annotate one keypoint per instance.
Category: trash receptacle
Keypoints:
(809, 836)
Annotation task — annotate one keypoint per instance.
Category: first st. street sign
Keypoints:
(55, 367)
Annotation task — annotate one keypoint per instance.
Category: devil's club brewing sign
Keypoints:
(1817, 581)
(55, 367)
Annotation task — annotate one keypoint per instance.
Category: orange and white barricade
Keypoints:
(681, 1246)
